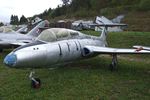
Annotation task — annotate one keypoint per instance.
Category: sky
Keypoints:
(27, 8)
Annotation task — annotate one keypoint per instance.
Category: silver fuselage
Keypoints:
(49, 54)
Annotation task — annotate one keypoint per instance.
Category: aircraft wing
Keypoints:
(109, 25)
(18, 43)
(14, 42)
(107, 50)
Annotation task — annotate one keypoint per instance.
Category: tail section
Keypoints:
(103, 20)
(103, 35)
(104, 32)
(118, 19)
(37, 29)
(105, 27)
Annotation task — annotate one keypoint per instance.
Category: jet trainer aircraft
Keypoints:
(58, 45)
(11, 39)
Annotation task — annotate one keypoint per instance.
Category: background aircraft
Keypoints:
(59, 46)
(103, 20)
(5, 29)
(13, 39)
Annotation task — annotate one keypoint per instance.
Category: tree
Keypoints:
(1, 24)
(99, 4)
(144, 5)
(14, 20)
(56, 12)
(80, 4)
(23, 20)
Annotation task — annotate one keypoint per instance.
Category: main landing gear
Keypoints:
(35, 82)
(113, 65)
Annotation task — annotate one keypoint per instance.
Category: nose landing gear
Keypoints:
(35, 82)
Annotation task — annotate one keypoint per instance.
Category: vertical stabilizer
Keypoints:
(37, 29)
(103, 35)
(103, 20)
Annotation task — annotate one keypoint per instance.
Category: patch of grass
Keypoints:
(88, 79)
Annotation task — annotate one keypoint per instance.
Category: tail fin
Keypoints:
(103, 20)
(37, 29)
(103, 35)
(118, 19)
(105, 27)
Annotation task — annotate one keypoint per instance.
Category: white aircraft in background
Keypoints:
(58, 45)
(103, 20)
(12, 39)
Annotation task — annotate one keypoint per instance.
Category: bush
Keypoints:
(144, 5)
(1, 24)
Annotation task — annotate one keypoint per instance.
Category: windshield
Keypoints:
(55, 34)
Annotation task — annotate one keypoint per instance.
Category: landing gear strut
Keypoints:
(35, 82)
(113, 65)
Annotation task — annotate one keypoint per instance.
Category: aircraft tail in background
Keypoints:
(37, 29)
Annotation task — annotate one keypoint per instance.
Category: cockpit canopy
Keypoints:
(55, 34)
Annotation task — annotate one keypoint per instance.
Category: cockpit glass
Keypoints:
(55, 34)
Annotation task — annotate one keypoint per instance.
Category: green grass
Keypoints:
(87, 79)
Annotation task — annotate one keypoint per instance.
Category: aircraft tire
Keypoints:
(36, 85)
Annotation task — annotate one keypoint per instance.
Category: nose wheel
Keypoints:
(35, 82)
(113, 65)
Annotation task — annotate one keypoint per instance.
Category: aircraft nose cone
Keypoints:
(10, 60)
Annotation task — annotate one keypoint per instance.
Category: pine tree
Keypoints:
(14, 20)
(23, 20)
